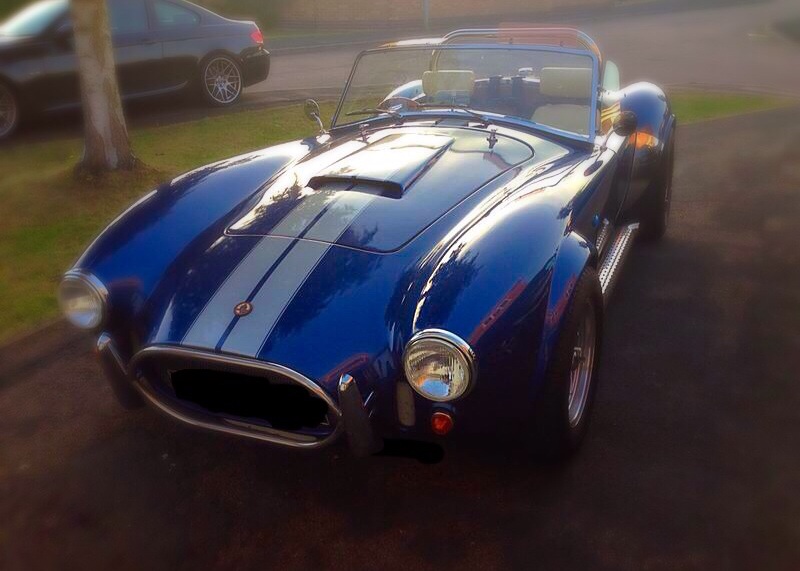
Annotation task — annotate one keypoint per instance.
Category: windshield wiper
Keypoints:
(482, 118)
(397, 115)
(369, 111)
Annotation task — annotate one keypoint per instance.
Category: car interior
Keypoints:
(559, 97)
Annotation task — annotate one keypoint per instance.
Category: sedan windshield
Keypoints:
(34, 19)
(550, 88)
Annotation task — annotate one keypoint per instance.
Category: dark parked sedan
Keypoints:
(160, 46)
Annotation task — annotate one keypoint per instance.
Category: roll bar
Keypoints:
(549, 36)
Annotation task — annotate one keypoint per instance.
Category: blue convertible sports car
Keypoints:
(434, 267)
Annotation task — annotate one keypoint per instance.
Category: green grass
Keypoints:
(693, 106)
(48, 216)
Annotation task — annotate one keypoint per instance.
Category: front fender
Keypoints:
(574, 255)
(134, 254)
(492, 286)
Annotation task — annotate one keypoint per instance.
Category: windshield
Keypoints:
(551, 88)
(34, 19)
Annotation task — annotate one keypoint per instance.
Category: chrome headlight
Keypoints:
(439, 365)
(82, 298)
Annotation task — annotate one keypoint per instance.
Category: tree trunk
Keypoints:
(106, 143)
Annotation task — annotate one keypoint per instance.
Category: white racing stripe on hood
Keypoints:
(251, 332)
(212, 322)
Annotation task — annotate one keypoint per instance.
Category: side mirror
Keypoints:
(313, 113)
(626, 123)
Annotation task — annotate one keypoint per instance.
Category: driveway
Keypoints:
(691, 461)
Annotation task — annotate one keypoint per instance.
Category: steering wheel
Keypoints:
(406, 102)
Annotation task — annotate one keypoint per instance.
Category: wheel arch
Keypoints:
(655, 129)
(217, 52)
(575, 255)
(13, 86)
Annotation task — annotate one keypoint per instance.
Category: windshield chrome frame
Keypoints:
(519, 121)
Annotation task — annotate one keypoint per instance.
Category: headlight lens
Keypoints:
(82, 299)
(439, 365)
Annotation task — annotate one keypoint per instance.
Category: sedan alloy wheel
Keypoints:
(9, 112)
(222, 80)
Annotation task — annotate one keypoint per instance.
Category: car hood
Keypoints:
(379, 191)
(317, 247)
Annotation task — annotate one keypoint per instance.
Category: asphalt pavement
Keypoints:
(691, 461)
(728, 46)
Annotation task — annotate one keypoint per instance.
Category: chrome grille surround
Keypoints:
(161, 355)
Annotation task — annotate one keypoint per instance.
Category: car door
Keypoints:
(179, 29)
(136, 54)
(137, 51)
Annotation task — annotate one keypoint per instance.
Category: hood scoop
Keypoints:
(378, 194)
(387, 188)
(387, 168)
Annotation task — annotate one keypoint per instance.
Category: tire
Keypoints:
(9, 112)
(656, 205)
(563, 406)
(221, 80)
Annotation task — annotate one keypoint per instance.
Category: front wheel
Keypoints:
(9, 112)
(562, 410)
(222, 81)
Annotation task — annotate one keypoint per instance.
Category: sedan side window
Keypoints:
(169, 15)
(128, 16)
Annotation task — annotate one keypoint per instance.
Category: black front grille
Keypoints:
(284, 406)
(237, 395)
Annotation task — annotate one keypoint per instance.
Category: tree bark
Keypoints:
(106, 143)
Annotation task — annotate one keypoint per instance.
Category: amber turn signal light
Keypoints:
(441, 423)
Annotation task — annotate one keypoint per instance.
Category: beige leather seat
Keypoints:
(448, 85)
(569, 83)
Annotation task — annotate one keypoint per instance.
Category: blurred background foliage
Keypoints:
(8, 7)
(264, 12)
